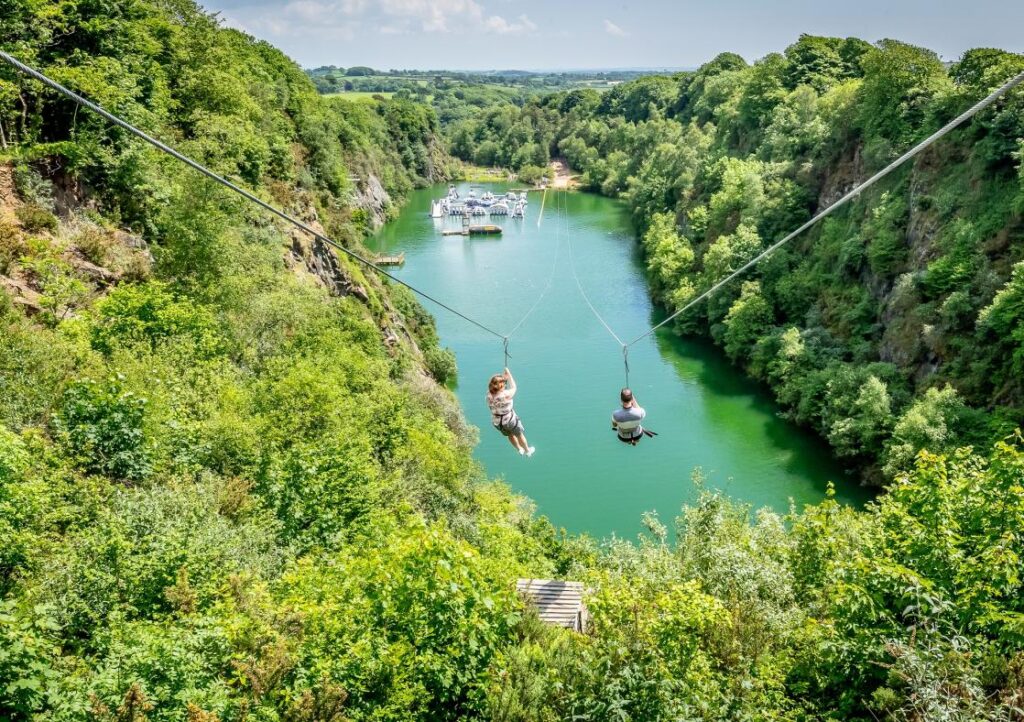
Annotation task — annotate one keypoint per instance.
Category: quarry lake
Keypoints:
(708, 415)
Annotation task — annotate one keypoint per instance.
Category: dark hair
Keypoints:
(626, 395)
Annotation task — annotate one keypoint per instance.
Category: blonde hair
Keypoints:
(495, 384)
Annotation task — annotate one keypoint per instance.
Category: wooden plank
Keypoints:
(559, 603)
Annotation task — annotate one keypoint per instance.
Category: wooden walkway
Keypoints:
(559, 603)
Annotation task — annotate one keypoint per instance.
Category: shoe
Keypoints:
(529, 452)
(521, 452)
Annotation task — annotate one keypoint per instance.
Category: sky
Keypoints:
(569, 34)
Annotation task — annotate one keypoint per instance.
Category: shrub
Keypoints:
(748, 320)
(441, 364)
(32, 187)
(14, 540)
(156, 551)
(93, 243)
(931, 422)
(36, 219)
(149, 313)
(533, 174)
(26, 660)
(101, 424)
(12, 245)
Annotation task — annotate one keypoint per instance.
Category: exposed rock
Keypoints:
(22, 294)
(130, 240)
(390, 338)
(69, 193)
(841, 179)
(8, 194)
(373, 199)
(87, 269)
(321, 260)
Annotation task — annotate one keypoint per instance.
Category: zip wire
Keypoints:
(544, 291)
(944, 130)
(583, 293)
(854, 193)
(45, 80)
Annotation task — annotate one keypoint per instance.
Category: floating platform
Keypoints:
(392, 260)
(484, 230)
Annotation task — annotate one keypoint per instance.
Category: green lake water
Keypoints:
(569, 371)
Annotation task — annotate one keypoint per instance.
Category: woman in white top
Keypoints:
(500, 390)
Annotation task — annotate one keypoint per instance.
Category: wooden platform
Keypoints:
(396, 260)
(558, 602)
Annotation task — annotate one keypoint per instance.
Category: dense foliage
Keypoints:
(894, 325)
(230, 491)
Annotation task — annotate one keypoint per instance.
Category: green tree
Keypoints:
(900, 81)
(748, 319)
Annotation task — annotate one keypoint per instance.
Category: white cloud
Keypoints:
(229, 21)
(500, 25)
(613, 29)
(345, 17)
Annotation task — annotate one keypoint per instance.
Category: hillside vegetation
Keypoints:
(894, 325)
(229, 489)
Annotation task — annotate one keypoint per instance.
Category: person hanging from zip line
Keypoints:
(500, 390)
(626, 420)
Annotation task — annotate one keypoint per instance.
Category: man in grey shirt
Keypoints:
(626, 420)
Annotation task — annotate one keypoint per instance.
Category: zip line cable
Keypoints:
(852, 194)
(53, 84)
(943, 131)
(543, 293)
(583, 293)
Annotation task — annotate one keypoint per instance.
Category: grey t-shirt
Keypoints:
(627, 422)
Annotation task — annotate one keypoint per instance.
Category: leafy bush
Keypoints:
(162, 552)
(747, 321)
(150, 313)
(12, 245)
(35, 219)
(15, 538)
(27, 665)
(441, 364)
(102, 426)
(93, 243)
(422, 615)
(534, 174)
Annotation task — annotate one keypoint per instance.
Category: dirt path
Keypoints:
(563, 176)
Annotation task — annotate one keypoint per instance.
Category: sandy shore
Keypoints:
(563, 176)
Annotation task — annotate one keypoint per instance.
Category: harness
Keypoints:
(629, 426)
(504, 420)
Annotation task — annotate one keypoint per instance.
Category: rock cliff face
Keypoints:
(372, 198)
(314, 256)
(907, 340)
(319, 259)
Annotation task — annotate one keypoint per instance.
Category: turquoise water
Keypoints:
(569, 370)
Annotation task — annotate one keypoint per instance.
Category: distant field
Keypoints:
(358, 95)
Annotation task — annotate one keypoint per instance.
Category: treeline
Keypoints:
(332, 79)
(228, 491)
(894, 325)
